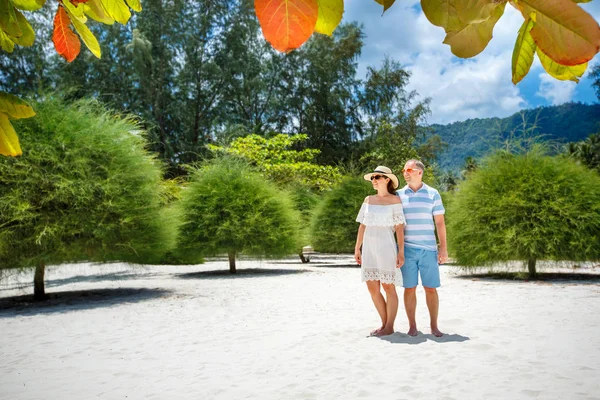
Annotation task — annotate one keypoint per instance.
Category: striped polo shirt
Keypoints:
(419, 209)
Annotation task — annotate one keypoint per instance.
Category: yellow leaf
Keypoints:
(117, 10)
(86, 35)
(28, 5)
(8, 19)
(6, 42)
(454, 15)
(75, 12)
(561, 72)
(27, 35)
(472, 38)
(15, 107)
(330, 15)
(563, 30)
(9, 142)
(523, 52)
(95, 10)
(386, 4)
(137, 6)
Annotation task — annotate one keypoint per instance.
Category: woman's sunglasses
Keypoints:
(375, 177)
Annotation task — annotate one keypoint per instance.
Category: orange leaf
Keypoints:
(563, 30)
(287, 24)
(66, 42)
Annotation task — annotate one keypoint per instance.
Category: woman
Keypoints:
(380, 216)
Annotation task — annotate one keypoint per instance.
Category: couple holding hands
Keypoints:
(413, 213)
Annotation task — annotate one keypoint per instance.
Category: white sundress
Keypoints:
(379, 248)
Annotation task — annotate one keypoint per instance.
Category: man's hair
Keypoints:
(418, 163)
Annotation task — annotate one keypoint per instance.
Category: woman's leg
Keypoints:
(391, 308)
(379, 302)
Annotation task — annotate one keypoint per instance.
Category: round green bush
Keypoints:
(526, 207)
(228, 208)
(85, 188)
(334, 227)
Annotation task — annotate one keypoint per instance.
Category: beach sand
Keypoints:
(286, 330)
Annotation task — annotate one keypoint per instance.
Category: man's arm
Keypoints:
(440, 225)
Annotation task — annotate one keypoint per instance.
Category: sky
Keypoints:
(459, 89)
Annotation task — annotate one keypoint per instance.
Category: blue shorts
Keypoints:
(420, 262)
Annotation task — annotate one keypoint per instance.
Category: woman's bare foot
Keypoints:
(412, 331)
(376, 331)
(386, 331)
(436, 332)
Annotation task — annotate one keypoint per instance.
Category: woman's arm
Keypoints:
(359, 241)
(400, 238)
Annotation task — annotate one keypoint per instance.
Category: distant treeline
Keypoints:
(570, 122)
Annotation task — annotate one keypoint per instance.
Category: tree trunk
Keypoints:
(232, 262)
(531, 267)
(39, 292)
(304, 259)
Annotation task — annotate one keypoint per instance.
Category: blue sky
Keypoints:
(460, 89)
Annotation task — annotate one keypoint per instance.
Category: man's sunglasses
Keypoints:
(410, 170)
(375, 177)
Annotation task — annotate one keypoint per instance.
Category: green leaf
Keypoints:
(330, 15)
(386, 4)
(28, 35)
(523, 52)
(473, 37)
(561, 72)
(8, 19)
(6, 42)
(86, 35)
(95, 10)
(9, 142)
(28, 5)
(15, 107)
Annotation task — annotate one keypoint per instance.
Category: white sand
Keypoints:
(276, 334)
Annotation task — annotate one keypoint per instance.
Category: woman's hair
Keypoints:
(390, 187)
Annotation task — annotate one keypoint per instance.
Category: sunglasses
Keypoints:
(375, 177)
(410, 170)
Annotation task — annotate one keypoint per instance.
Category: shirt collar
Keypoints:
(406, 189)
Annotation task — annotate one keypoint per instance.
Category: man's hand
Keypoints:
(442, 255)
(357, 256)
(400, 260)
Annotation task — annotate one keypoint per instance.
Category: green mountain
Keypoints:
(570, 122)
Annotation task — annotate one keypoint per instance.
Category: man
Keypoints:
(422, 206)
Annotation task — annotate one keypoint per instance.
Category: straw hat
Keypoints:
(381, 170)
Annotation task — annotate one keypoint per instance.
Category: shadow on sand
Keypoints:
(542, 277)
(241, 273)
(76, 300)
(398, 337)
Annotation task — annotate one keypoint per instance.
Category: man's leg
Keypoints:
(433, 304)
(410, 279)
(410, 304)
(379, 302)
(392, 308)
(430, 278)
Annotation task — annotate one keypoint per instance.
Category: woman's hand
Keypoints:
(357, 256)
(399, 260)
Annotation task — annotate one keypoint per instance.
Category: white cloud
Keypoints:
(479, 87)
(555, 92)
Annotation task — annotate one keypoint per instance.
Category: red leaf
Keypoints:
(76, 2)
(66, 42)
(287, 24)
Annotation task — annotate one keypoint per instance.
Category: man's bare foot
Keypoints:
(436, 332)
(412, 331)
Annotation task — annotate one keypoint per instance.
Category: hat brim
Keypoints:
(393, 177)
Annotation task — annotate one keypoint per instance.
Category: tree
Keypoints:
(85, 189)
(334, 228)
(229, 208)
(527, 207)
(279, 161)
(587, 151)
